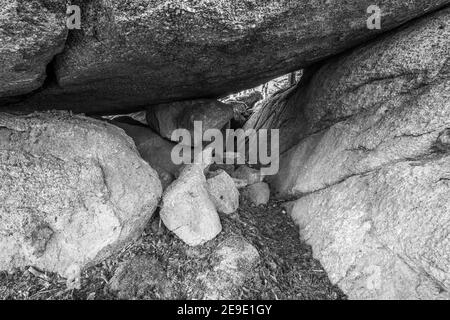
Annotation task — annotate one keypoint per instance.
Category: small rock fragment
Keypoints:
(250, 175)
(239, 183)
(223, 192)
(235, 260)
(258, 193)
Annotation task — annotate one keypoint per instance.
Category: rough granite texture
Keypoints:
(384, 234)
(372, 169)
(234, 262)
(166, 118)
(257, 194)
(187, 209)
(381, 103)
(130, 54)
(223, 192)
(32, 32)
(152, 147)
(73, 190)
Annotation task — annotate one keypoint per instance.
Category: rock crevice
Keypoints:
(369, 168)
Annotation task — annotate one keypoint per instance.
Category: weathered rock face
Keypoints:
(258, 193)
(152, 148)
(166, 118)
(234, 262)
(187, 209)
(130, 54)
(283, 111)
(385, 234)
(249, 175)
(384, 102)
(31, 34)
(355, 82)
(136, 278)
(223, 192)
(243, 108)
(73, 190)
(372, 168)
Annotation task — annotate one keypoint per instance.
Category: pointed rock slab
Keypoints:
(73, 191)
(31, 34)
(130, 53)
(166, 118)
(187, 209)
(223, 192)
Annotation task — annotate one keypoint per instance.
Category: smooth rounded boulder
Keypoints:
(73, 191)
(187, 209)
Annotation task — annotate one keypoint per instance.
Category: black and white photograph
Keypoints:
(224, 155)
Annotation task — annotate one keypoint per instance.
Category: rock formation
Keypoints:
(258, 193)
(364, 136)
(152, 147)
(31, 34)
(73, 191)
(234, 262)
(187, 209)
(223, 192)
(371, 164)
(166, 118)
(130, 54)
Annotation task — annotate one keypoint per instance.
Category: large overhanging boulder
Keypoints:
(73, 191)
(130, 54)
(32, 32)
(371, 167)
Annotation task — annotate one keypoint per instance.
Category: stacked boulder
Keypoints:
(191, 202)
(190, 205)
(369, 163)
(187, 209)
(152, 147)
(365, 135)
(254, 190)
